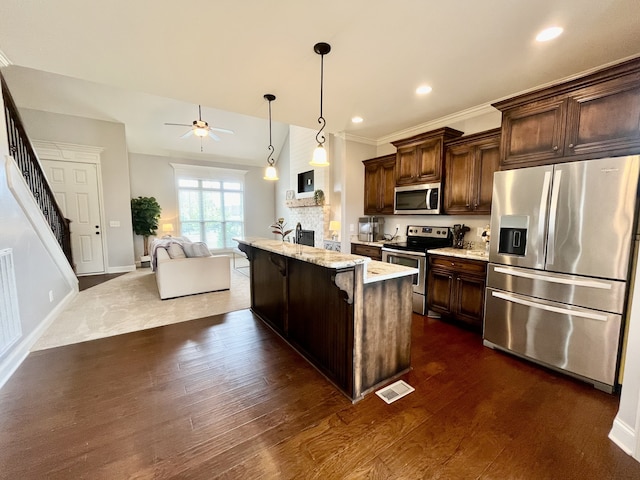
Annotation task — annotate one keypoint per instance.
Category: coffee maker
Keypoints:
(459, 231)
(370, 229)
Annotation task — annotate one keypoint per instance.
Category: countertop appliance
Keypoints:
(562, 237)
(417, 199)
(413, 253)
(370, 229)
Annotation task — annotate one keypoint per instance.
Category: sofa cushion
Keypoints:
(175, 250)
(196, 249)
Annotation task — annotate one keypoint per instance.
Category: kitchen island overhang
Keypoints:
(348, 315)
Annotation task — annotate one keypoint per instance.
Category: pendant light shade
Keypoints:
(320, 154)
(270, 173)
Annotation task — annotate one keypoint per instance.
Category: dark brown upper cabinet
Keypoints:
(470, 163)
(419, 159)
(379, 184)
(593, 116)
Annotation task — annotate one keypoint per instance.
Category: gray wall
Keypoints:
(152, 176)
(114, 167)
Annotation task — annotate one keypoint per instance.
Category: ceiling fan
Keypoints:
(201, 129)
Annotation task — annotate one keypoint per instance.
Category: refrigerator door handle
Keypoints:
(545, 278)
(542, 218)
(553, 217)
(549, 308)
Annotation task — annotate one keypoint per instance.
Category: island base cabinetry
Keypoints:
(358, 335)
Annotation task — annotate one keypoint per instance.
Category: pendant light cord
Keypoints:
(270, 160)
(319, 137)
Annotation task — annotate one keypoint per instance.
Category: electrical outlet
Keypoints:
(398, 227)
(479, 231)
(352, 228)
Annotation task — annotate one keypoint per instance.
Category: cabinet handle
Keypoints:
(475, 205)
(571, 145)
(555, 148)
(467, 205)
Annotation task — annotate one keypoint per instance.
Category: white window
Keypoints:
(210, 205)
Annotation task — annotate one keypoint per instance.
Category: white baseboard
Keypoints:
(14, 359)
(624, 436)
(123, 269)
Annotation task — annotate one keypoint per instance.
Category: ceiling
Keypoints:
(126, 62)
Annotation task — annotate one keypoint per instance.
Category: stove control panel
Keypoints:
(429, 232)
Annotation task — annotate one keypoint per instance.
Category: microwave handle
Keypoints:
(427, 200)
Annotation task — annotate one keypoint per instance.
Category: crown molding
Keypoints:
(4, 60)
(438, 123)
(355, 138)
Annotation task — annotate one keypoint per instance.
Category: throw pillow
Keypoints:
(196, 249)
(175, 250)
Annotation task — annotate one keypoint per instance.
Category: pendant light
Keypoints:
(320, 154)
(270, 173)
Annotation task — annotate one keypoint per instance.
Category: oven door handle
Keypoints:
(405, 253)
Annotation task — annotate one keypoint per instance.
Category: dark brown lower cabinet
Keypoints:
(357, 334)
(456, 288)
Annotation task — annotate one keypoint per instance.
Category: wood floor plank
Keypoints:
(224, 397)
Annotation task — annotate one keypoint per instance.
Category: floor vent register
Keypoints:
(395, 391)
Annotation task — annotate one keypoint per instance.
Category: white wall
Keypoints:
(153, 176)
(114, 168)
(37, 275)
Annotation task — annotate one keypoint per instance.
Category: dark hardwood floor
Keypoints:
(224, 397)
(88, 281)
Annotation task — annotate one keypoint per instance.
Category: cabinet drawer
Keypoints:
(367, 251)
(473, 267)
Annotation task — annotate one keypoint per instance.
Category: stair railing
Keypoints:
(24, 154)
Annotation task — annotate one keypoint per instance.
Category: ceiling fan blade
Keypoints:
(179, 124)
(188, 134)
(223, 130)
(214, 136)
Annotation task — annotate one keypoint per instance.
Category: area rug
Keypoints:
(130, 303)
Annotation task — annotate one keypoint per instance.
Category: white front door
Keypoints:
(75, 186)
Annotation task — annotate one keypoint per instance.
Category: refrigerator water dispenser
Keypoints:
(512, 239)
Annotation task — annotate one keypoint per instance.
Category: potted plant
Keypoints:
(318, 196)
(280, 228)
(145, 213)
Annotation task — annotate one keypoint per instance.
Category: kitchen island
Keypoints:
(348, 315)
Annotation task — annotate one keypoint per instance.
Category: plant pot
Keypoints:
(145, 261)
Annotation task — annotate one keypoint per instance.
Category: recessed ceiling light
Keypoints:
(357, 119)
(549, 34)
(423, 89)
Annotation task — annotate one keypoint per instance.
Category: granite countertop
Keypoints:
(460, 253)
(374, 271)
(379, 243)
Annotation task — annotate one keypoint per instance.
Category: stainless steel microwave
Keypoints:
(417, 199)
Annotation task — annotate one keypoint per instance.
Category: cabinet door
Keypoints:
(487, 162)
(429, 161)
(387, 184)
(372, 189)
(459, 168)
(439, 288)
(469, 300)
(605, 118)
(533, 133)
(405, 170)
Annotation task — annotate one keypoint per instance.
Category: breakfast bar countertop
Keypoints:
(374, 271)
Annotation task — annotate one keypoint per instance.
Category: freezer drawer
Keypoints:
(579, 341)
(587, 292)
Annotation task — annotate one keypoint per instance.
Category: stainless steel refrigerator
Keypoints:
(559, 263)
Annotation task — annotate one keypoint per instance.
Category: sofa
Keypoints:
(187, 268)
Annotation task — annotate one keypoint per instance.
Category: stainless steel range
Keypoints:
(413, 253)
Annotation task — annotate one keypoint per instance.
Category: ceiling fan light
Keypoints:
(270, 173)
(200, 132)
(319, 157)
